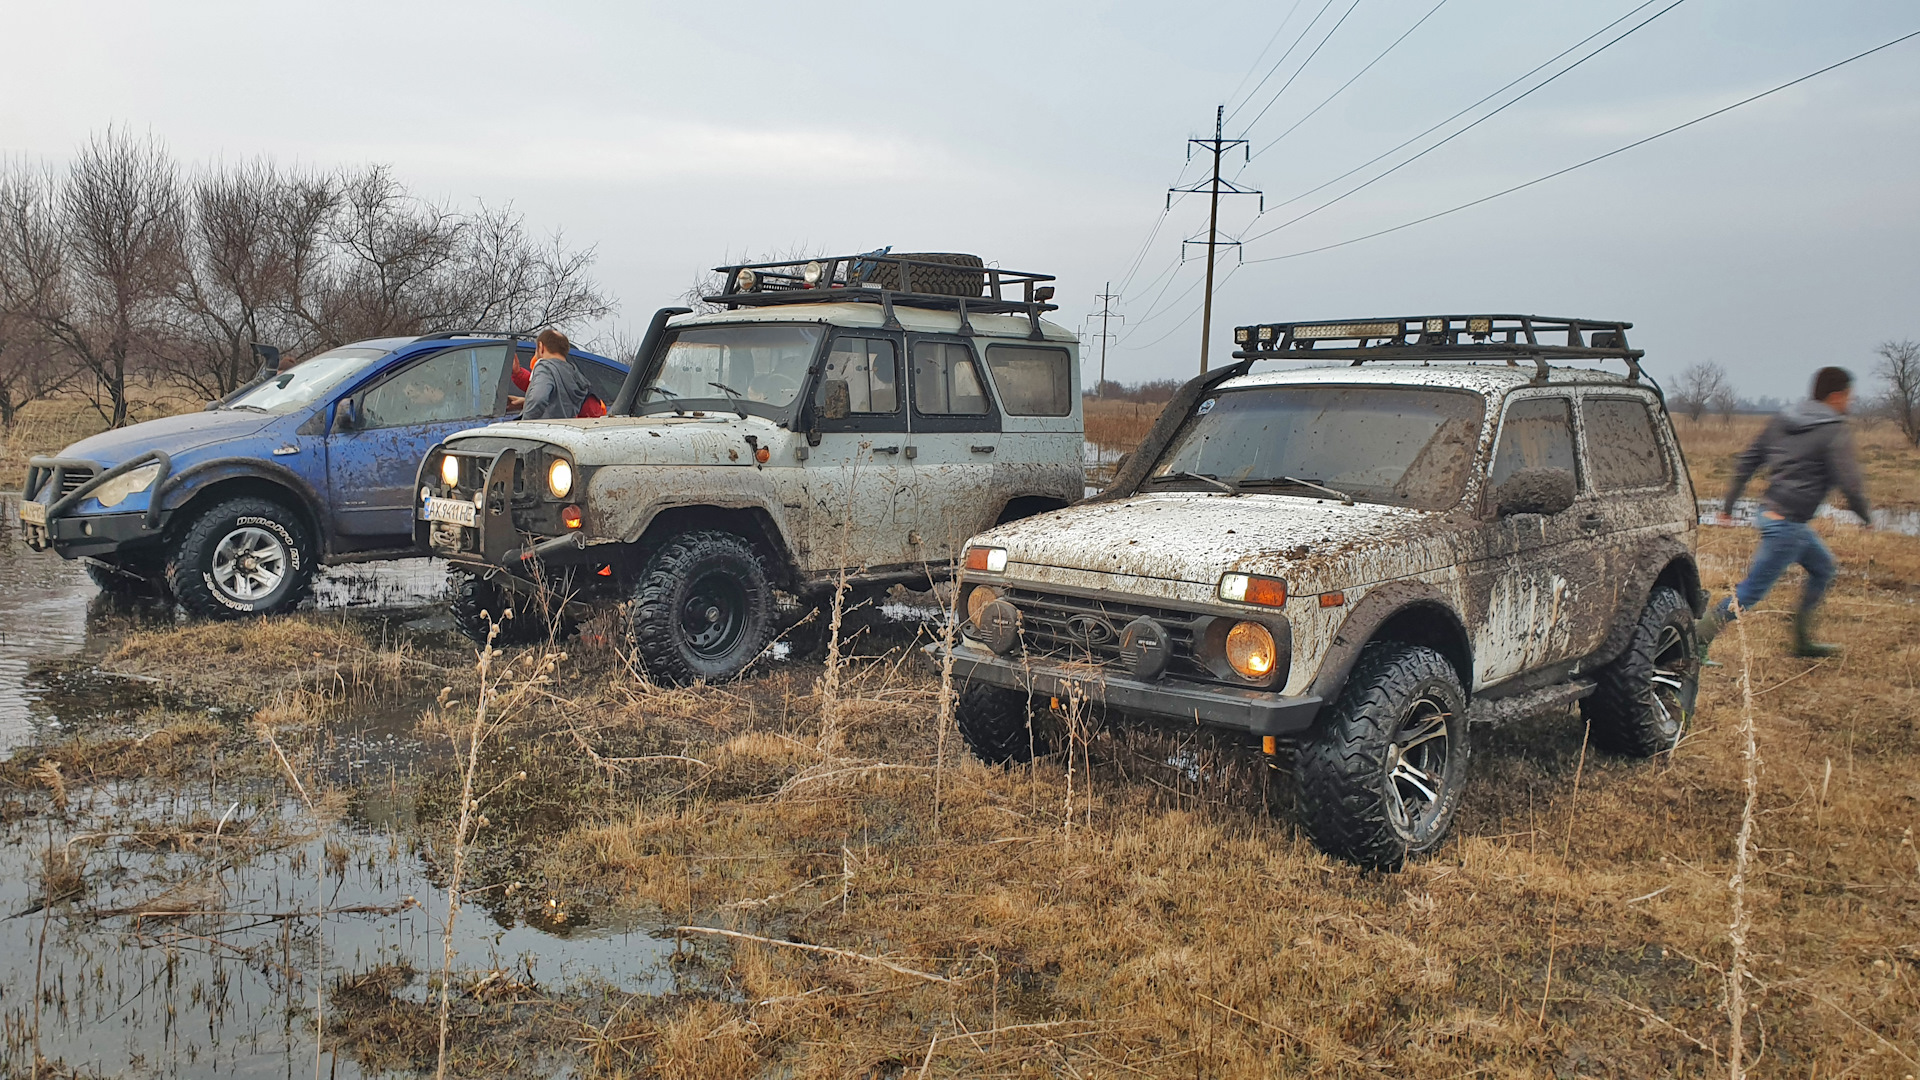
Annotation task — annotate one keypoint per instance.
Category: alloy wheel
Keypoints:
(1417, 769)
(249, 563)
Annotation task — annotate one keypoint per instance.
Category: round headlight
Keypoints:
(745, 281)
(810, 273)
(978, 598)
(560, 479)
(1250, 650)
(450, 470)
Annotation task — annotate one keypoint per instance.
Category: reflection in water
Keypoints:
(1904, 522)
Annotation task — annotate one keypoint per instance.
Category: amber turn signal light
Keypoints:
(571, 517)
(762, 455)
(1253, 589)
(993, 560)
(1333, 599)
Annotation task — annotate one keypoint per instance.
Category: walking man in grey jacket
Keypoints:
(1807, 451)
(555, 389)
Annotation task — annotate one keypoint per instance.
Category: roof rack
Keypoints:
(877, 277)
(1440, 337)
(446, 335)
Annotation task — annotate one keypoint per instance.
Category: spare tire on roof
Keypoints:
(966, 279)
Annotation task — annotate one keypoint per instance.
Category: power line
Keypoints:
(1356, 189)
(1598, 157)
(1343, 86)
(1264, 49)
(1302, 67)
(1510, 85)
(1304, 31)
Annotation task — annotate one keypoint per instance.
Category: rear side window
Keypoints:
(1623, 451)
(946, 380)
(1537, 434)
(1033, 381)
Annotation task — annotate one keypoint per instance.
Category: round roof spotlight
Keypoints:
(746, 281)
(811, 273)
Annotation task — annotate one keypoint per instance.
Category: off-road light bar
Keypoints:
(1319, 331)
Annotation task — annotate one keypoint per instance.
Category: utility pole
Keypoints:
(1215, 188)
(1106, 312)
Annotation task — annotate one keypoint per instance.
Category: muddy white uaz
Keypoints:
(1359, 562)
(846, 420)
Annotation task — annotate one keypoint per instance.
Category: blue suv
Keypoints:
(232, 509)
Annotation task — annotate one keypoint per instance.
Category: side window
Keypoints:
(946, 380)
(867, 371)
(459, 384)
(1623, 450)
(1033, 381)
(1537, 434)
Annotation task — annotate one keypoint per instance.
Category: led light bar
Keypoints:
(1322, 331)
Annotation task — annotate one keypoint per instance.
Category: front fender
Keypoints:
(1429, 612)
(623, 500)
(192, 481)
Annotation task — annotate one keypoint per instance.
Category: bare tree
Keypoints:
(254, 235)
(1900, 367)
(30, 367)
(121, 215)
(1700, 387)
(1724, 402)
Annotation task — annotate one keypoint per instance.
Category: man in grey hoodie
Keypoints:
(555, 389)
(1807, 451)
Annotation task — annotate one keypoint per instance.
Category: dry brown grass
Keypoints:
(1118, 425)
(51, 425)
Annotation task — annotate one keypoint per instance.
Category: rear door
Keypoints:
(373, 461)
(956, 443)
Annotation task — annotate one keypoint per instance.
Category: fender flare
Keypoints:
(1379, 606)
(773, 525)
(188, 484)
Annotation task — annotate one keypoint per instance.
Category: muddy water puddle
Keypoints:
(1904, 522)
(203, 915)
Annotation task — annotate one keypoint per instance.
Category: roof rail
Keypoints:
(1440, 337)
(951, 283)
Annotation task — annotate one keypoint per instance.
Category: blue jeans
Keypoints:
(1783, 543)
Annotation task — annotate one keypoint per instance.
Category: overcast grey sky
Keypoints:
(1043, 137)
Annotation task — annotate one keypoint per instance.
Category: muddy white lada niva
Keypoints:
(1430, 528)
(849, 419)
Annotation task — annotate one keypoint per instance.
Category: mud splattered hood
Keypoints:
(644, 440)
(1195, 537)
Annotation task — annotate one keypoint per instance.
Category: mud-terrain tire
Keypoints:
(474, 600)
(129, 579)
(966, 279)
(1356, 802)
(1642, 702)
(1002, 727)
(703, 609)
(244, 556)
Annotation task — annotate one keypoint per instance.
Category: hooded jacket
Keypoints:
(555, 391)
(1807, 451)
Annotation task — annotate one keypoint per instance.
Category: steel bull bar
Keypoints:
(501, 547)
(45, 472)
(1256, 712)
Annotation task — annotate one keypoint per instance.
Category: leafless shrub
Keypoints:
(1900, 368)
(1701, 387)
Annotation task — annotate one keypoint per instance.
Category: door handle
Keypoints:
(1592, 521)
(981, 449)
(886, 449)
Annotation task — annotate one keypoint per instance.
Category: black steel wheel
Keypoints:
(1005, 727)
(703, 608)
(1644, 700)
(1382, 777)
(244, 556)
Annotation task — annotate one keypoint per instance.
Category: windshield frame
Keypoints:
(787, 416)
(351, 376)
(1152, 482)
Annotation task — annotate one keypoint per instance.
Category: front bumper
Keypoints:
(76, 535)
(1257, 712)
(493, 540)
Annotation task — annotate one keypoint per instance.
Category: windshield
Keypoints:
(307, 382)
(764, 364)
(1395, 445)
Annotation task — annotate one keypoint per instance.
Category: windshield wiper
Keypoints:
(660, 390)
(733, 397)
(1345, 499)
(1213, 481)
(252, 408)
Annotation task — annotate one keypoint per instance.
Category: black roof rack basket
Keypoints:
(1428, 338)
(877, 277)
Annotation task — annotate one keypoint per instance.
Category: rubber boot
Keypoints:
(1803, 643)
(1708, 628)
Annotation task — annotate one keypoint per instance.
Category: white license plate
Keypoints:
(33, 513)
(452, 511)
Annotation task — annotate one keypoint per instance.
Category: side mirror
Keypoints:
(836, 400)
(347, 416)
(1535, 491)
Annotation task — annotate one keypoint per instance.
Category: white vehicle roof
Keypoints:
(1491, 378)
(871, 316)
